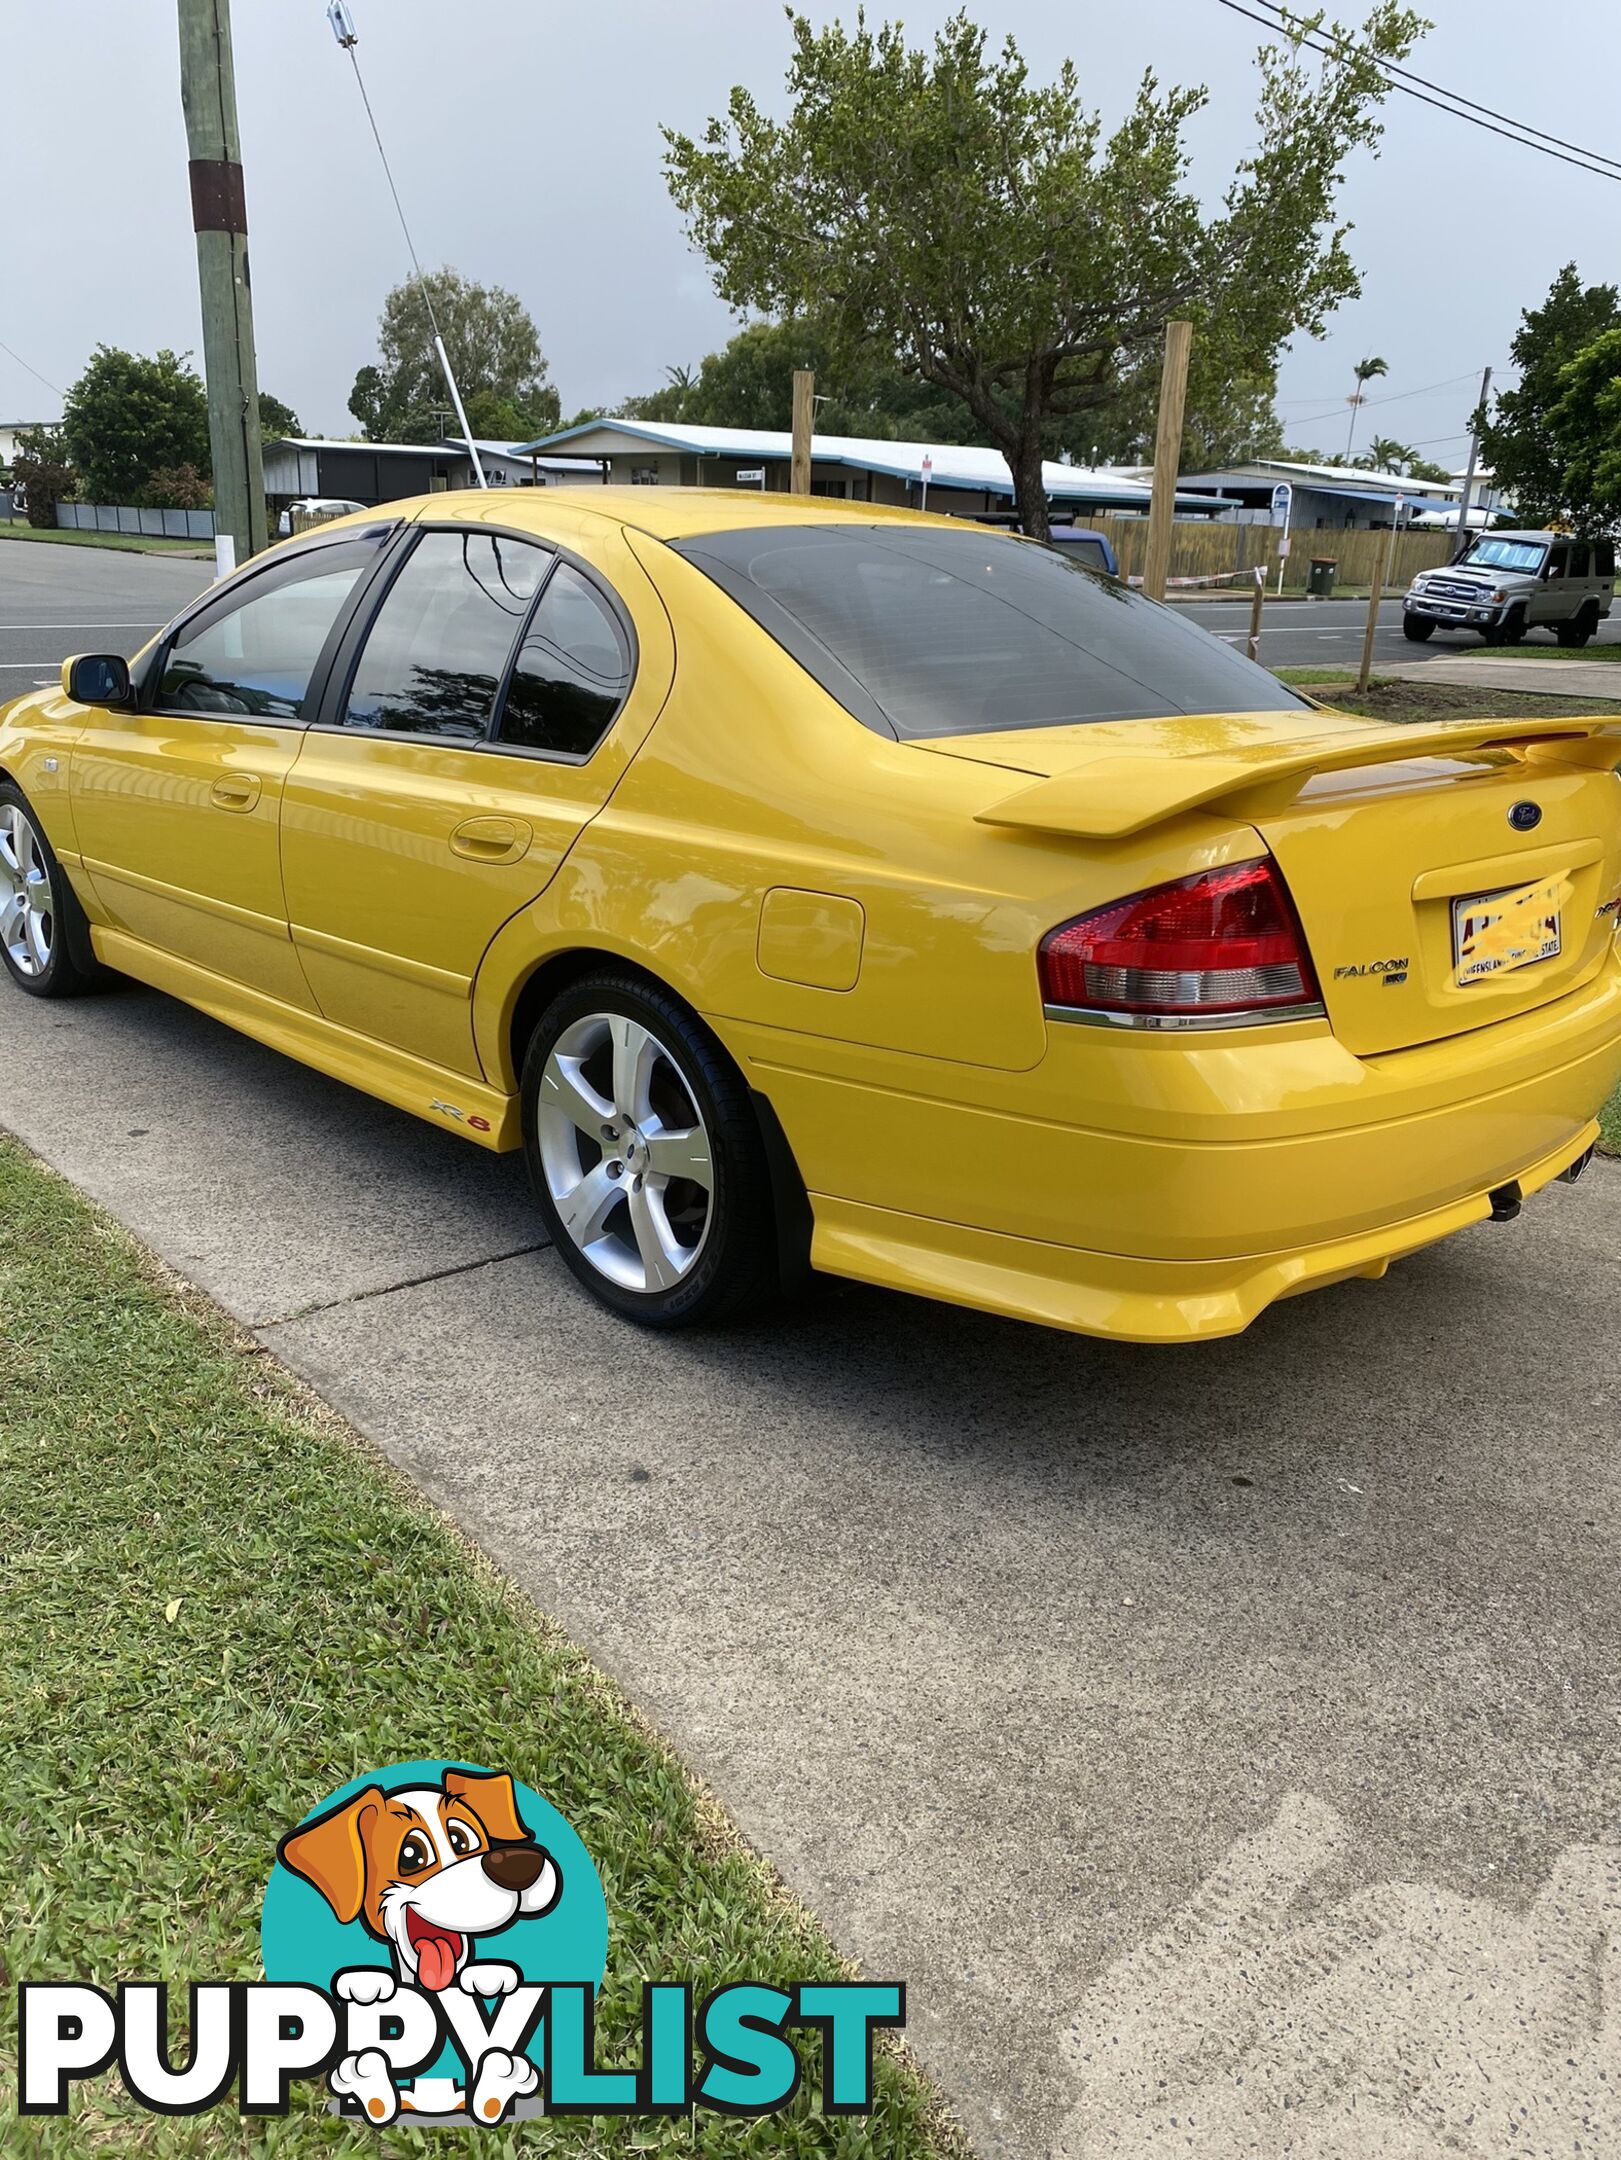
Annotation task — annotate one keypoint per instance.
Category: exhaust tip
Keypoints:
(1505, 1201)
(1573, 1171)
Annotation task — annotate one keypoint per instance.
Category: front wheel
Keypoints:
(1416, 628)
(1577, 633)
(1510, 631)
(646, 1156)
(37, 907)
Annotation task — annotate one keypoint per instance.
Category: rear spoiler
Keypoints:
(1117, 796)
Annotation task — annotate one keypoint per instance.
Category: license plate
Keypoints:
(1493, 933)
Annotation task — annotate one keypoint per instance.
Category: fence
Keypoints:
(1200, 549)
(126, 518)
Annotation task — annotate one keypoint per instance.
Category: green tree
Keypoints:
(1529, 455)
(128, 417)
(275, 418)
(749, 383)
(1385, 454)
(1229, 416)
(1583, 437)
(941, 207)
(41, 473)
(494, 351)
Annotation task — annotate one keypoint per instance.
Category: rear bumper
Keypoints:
(1140, 1301)
(1208, 1181)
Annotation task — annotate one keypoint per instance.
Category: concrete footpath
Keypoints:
(1221, 1744)
(1597, 679)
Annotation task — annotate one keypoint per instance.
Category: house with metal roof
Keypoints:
(962, 480)
(1325, 497)
(302, 465)
(509, 464)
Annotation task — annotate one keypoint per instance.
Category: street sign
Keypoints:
(928, 468)
(752, 476)
(1283, 502)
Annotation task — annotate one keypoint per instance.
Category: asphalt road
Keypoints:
(1221, 1744)
(1329, 633)
(60, 600)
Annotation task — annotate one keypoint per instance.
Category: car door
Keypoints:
(177, 799)
(477, 721)
(1552, 603)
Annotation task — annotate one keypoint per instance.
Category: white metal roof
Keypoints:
(951, 464)
(1361, 477)
(486, 446)
(327, 442)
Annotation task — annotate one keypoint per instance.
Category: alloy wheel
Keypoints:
(27, 911)
(625, 1152)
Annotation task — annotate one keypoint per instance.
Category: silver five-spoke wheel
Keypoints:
(27, 911)
(624, 1152)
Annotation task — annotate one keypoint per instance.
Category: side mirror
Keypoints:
(96, 679)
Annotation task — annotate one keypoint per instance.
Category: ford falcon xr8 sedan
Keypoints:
(801, 885)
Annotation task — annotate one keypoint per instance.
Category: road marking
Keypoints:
(28, 663)
(80, 622)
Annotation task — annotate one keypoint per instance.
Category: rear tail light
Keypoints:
(1221, 944)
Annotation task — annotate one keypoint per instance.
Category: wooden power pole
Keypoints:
(1173, 390)
(804, 421)
(219, 215)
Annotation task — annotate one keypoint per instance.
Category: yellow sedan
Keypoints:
(802, 884)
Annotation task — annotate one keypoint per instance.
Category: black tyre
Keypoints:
(646, 1156)
(44, 939)
(1577, 633)
(1416, 628)
(1510, 631)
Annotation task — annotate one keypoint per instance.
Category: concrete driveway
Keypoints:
(1224, 1745)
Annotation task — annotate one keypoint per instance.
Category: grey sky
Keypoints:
(524, 135)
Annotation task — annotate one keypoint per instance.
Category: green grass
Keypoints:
(129, 543)
(1609, 1119)
(1388, 697)
(220, 1604)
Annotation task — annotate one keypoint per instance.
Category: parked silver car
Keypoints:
(1506, 583)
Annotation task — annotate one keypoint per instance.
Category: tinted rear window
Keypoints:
(920, 632)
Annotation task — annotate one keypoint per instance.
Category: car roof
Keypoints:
(666, 513)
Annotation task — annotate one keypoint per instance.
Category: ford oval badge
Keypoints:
(1525, 816)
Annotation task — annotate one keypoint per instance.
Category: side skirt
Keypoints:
(466, 1107)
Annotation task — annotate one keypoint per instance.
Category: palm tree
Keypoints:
(1365, 371)
(1387, 455)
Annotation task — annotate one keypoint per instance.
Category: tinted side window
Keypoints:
(255, 652)
(572, 671)
(1604, 558)
(1089, 552)
(1578, 560)
(433, 659)
(1558, 561)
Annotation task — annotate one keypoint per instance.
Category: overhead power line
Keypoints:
(1447, 101)
(1455, 97)
(34, 371)
(1393, 397)
(1390, 397)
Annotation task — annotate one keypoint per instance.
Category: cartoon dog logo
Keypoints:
(429, 1870)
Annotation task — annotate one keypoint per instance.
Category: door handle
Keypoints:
(491, 839)
(236, 791)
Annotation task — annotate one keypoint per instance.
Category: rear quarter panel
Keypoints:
(755, 782)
